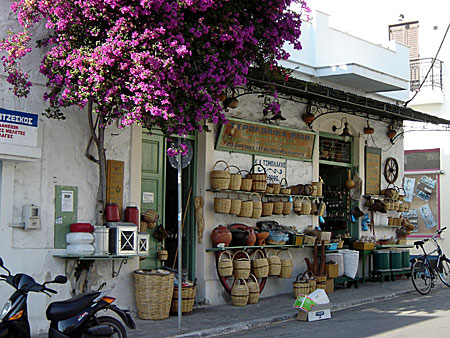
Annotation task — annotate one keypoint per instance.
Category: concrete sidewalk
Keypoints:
(210, 321)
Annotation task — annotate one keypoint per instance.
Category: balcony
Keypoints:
(419, 69)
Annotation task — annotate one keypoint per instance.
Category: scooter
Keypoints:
(75, 317)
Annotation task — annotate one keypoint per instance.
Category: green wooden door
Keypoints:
(152, 188)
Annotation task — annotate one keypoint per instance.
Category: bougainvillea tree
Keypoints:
(159, 63)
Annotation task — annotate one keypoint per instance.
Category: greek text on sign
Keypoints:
(243, 136)
(18, 128)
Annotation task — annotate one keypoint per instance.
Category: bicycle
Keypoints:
(423, 273)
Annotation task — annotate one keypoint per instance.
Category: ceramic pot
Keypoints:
(261, 237)
(239, 237)
(221, 234)
(251, 238)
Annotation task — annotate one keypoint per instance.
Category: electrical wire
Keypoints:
(431, 67)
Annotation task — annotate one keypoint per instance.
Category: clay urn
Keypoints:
(221, 234)
(261, 238)
(251, 238)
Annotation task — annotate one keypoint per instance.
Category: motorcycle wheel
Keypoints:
(118, 328)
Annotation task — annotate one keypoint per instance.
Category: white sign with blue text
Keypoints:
(275, 168)
(18, 128)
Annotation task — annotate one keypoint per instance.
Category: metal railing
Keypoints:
(419, 69)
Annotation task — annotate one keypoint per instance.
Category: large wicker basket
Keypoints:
(239, 292)
(235, 179)
(225, 264)
(286, 265)
(187, 299)
(241, 264)
(259, 180)
(274, 263)
(153, 291)
(253, 290)
(260, 266)
(220, 179)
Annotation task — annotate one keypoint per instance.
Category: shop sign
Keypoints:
(275, 168)
(18, 128)
(258, 138)
(373, 171)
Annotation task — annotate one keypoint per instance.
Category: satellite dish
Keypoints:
(186, 159)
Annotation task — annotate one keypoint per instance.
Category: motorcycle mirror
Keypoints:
(60, 279)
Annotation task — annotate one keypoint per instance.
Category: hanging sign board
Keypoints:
(373, 171)
(18, 128)
(258, 138)
(114, 183)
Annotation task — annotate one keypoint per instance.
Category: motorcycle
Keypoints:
(75, 317)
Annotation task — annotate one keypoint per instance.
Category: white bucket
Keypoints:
(79, 238)
(339, 259)
(80, 249)
(101, 243)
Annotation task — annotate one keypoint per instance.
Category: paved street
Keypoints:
(409, 316)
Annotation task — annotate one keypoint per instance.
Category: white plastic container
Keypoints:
(80, 249)
(351, 261)
(79, 238)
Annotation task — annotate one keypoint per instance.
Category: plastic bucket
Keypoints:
(381, 260)
(396, 260)
(405, 259)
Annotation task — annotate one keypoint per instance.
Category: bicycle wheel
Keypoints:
(421, 277)
(444, 271)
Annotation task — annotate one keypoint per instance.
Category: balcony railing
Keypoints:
(419, 69)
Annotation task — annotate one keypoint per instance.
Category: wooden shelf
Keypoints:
(283, 246)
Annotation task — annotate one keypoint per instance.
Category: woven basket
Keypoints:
(257, 207)
(297, 205)
(225, 264)
(284, 187)
(300, 285)
(163, 255)
(153, 292)
(269, 188)
(311, 281)
(286, 265)
(151, 216)
(246, 209)
(235, 179)
(276, 187)
(253, 290)
(241, 266)
(239, 292)
(259, 183)
(274, 263)
(309, 239)
(187, 299)
(235, 208)
(222, 205)
(260, 266)
(318, 185)
(278, 207)
(306, 206)
(267, 209)
(321, 279)
(287, 208)
(246, 183)
(220, 179)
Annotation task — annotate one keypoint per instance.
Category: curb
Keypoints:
(287, 316)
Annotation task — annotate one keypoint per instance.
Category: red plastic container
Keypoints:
(132, 214)
(81, 227)
(112, 212)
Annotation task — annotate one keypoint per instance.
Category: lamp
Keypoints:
(368, 130)
(345, 132)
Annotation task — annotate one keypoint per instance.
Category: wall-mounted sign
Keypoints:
(18, 128)
(275, 168)
(114, 183)
(373, 171)
(258, 138)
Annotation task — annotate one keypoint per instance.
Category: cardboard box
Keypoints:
(332, 270)
(329, 288)
(318, 312)
(363, 246)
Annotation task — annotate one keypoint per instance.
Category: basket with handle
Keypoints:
(225, 264)
(297, 205)
(241, 265)
(246, 208)
(187, 299)
(269, 188)
(284, 187)
(235, 179)
(239, 292)
(278, 207)
(222, 205)
(286, 265)
(153, 293)
(260, 266)
(257, 206)
(306, 206)
(220, 179)
(267, 209)
(253, 290)
(300, 285)
(311, 281)
(274, 263)
(287, 207)
(235, 207)
(259, 182)
(246, 182)
(276, 187)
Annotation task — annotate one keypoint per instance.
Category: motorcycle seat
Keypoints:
(70, 307)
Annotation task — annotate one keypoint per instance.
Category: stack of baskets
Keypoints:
(153, 293)
(187, 299)
(220, 179)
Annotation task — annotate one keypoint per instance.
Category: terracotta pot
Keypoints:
(221, 234)
(261, 237)
(251, 238)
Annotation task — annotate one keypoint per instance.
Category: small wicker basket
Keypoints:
(297, 205)
(278, 207)
(222, 205)
(241, 264)
(239, 292)
(220, 179)
(163, 255)
(153, 293)
(267, 209)
(306, 206)
(287, 208)
(235, 208)
(300, 285)
(187, 299)
(235, 179)
(246, 183)
(284, 187)
(286, 265)
(276, 187)
(274, 263)
(253, 290)
(260, 266)
(246, 209)
(225, 264)
(257, 206)
(259, 183)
